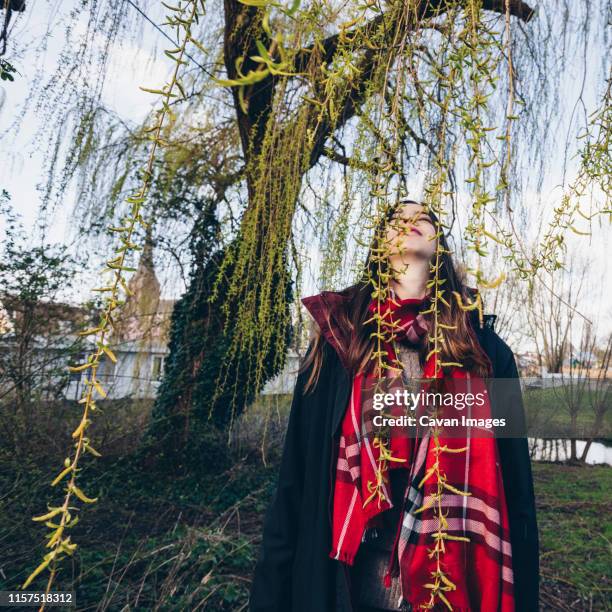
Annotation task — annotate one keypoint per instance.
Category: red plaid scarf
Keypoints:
(480, 570)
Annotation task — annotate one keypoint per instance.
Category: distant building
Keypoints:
(140, 341)
(37, 339)
(528, 363)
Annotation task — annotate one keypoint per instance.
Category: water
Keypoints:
(560, 450)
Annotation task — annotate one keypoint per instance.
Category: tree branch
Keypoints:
(329, 45)
(518, 9)
(339, 158)
(431, 8)
(356, 94)
(243, 27)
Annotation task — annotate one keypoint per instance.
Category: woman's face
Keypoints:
(410, 235)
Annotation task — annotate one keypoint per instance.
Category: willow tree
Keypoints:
(333, 111)
(289, 102)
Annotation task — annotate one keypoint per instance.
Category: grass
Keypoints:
(575, 535)
(151, 542)
(185, 542)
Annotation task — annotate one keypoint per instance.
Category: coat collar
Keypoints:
(325, 308)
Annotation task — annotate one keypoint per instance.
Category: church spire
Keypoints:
(138, 313)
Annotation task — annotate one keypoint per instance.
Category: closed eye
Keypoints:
(423, 217)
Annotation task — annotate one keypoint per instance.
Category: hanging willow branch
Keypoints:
(593, 177)
(59, 519)
(290, 99)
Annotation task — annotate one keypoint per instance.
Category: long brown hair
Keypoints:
(460, 345)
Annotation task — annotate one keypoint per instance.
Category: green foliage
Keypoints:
(195, 406)
(27, 272)
(7, 70)
(152, 539)
(575, 535)
(64, 517)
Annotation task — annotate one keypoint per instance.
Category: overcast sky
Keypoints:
(22, 168)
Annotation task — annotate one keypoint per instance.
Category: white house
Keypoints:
(140, 342)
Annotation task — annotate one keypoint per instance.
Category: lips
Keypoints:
(415, 230)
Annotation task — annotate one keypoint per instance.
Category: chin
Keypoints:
(413, 252)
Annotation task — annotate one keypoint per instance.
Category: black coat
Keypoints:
(294, 572)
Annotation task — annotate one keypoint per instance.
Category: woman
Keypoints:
(349, 527)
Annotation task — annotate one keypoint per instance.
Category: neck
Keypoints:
(411, 282)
